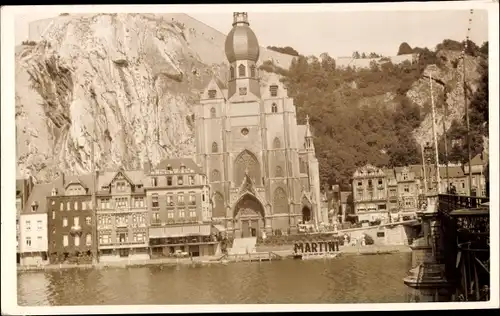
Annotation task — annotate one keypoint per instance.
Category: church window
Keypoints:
(243, 91)
(280, 203)
(215, 147)
(215, 175)
(231, 72)
(212, 94)
(246, 162)
(302, 166)
(273, 90)
(252, 71)
(279, 172)
(244, 131)
(212, 113)
(274, 108)
(219, 209)
(241, 70)
(276, 143)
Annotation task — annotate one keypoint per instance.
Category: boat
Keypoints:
(316, 255)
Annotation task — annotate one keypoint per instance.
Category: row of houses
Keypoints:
(116, 215)
(383, 194)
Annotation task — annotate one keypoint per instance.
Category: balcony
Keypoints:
(123, 244)
(76, 230)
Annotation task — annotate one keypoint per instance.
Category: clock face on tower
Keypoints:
(244, 131)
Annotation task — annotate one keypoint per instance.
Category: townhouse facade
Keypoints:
(179, 209)
(408, 190)
(69, 219)
(122, 221)
(369, 186)
(33, 227)
(392, 194)
(23, 191)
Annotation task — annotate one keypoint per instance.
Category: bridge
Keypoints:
(451, 257)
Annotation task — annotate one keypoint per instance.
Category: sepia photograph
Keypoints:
(328, 155)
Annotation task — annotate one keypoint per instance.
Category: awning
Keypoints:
(179, 231)
(220, 228)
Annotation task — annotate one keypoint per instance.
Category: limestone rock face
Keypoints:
(122, 84)
(447, 89)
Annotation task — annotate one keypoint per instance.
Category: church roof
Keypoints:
(241, 42)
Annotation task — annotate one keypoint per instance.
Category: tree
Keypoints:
(404, 49)
(355, 55)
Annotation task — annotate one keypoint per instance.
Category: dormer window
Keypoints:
(213, 113)
(252, 71)
(34, 206)
(169, 168)
(53, 192)
(274, 108)
(231, 72)
(169, 181)
(243, 91)
(241, 70)
(183, 168)
(273, 90)
(212, 94)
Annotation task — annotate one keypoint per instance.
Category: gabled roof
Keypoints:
(176, 163)
(38, 196)
(477, 160)
(133, 176)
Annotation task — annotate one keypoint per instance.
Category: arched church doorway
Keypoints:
(248, 217)
(306, 214)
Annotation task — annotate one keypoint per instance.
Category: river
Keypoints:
(348, 279)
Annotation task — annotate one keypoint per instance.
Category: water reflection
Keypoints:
(363, 279)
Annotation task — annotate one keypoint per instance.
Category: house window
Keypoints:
(169, 181)
(139, 237)
(180, 198)
(105, 204)
(28, 241)
(405, 176)
(154, 181)
(406, 189)
(252, 71)
(212, 94)
(154, 199)
(215, 147)
(104, 239)
(53, 215)
(65, 222)
(192, 199)
(65, 241)
(88, 240)
(28, 225)
(192, 214)
(182, 213)
(241, 70)
(156, 218)
(273, 90)
(38, 225)
(76, 221)
(191, 180)
(76, 240)
(139, 202)
(180, 180)
(360, 183)
(39, 241)
(380, 182)
(369, 183)
(61, 207)
(213, 113)
(170, 201)
(76, 206)
(274, 108)
(231, 72)
(243, 91)
(88, 220)
(121, 202)
(381, 207)
(68, 206)
(170, 214)
(84, 206)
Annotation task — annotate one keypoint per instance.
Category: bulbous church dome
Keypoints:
(241, 42)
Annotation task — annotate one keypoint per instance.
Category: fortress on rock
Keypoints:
(261, 165)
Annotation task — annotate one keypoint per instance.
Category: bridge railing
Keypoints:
(452, 202)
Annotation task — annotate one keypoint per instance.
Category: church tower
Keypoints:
(260, 164)
(242, 52)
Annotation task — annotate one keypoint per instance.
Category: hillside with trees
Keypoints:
(365, 116)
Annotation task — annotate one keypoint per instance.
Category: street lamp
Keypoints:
(82, 141)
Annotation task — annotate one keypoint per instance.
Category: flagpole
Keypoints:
(438, 177)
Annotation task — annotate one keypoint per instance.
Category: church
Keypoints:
(260, 164)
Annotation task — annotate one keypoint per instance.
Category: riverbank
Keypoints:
(285, 252)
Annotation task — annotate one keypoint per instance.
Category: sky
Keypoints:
(339, 33)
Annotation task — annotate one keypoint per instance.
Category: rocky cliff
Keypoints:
(447, 91)
(119, 85)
